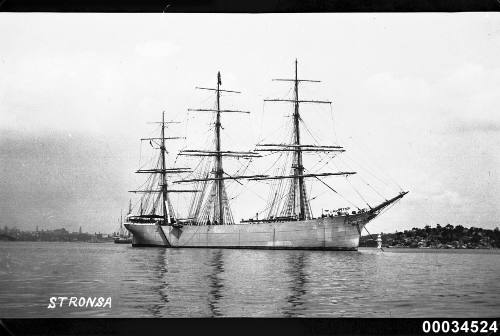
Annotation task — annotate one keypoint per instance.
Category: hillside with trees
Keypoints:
(448, 236)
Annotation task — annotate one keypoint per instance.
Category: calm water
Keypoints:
(157, 282)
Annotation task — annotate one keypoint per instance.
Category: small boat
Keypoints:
(123, 240)
(122, 237)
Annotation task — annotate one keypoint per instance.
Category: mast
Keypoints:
(299, 168)
(166, 214)
(218, 157)
(215, 206)
(298, 184)
(121, 224)
(297, 175)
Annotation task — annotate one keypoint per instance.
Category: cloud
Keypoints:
(392, 89)
(479, 126)
(461, 99)
(468, 99)
(156, 49)
(424, 102)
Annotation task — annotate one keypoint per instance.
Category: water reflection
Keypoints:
(296, 263)
(250, 283)
(215, 282)
(160, 270)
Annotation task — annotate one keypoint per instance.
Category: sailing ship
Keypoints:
(123, 237)
(155, 208)
(289, 223)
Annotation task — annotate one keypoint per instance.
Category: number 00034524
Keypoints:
(473, 327)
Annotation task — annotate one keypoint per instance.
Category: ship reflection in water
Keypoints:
(298, 280)
(215, 281)
(162, 287)
(145, 282)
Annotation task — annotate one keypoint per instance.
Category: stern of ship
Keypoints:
(146, 234)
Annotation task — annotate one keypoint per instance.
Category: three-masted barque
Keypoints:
(289, 224)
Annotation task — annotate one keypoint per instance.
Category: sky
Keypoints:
(415, 99)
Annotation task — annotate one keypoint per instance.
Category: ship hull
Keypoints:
(329, 233)
(146, 234)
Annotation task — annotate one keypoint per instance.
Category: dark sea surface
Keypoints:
(159, 282)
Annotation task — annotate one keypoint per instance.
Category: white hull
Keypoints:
(146, 234)
(328, 233)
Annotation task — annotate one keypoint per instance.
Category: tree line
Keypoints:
(448, 236)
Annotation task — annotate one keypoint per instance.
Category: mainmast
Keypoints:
(218, 157)
(299, 168)
(218, 196)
